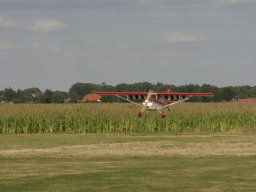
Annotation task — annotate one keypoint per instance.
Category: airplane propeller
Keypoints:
(144, 107)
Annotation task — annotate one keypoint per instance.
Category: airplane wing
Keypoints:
(181, 96)
(185, 94)
(165, 95)
(129, 95)
(129, 100)
(176, 102)
(121, 94)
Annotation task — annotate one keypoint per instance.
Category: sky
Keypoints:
(52, 44)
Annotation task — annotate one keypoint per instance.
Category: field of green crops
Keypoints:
(122, 118)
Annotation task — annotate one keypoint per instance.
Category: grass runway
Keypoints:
(122, 162)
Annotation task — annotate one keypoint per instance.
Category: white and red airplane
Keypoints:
(155, 101)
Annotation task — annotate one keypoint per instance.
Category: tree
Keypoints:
(20, 97)
(79, 90)
(190, 88)
(32, 95)
(227, 94)
(1, 96)
(211, 89)
(142, 86)
(59, 97)
(46, 97)
(9, 95)
(123, 86)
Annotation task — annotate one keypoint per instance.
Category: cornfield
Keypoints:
(122, 118)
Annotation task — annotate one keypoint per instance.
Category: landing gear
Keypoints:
(140, 114)
(162, 114)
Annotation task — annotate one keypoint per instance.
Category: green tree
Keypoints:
(211, 89)
(9, 95)
(46, 97)
(1, 96)
(142, 86)
(32, 95)
(20, 97)
(79, 90)
(227, 94)
(190, 88)
(59, 97)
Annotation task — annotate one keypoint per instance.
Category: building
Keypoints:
(247, 100)
(92, 98)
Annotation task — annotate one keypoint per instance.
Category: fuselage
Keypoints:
(154, 104)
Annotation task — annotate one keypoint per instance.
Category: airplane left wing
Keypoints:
(129, 100)
(122, 93)
(131, 95)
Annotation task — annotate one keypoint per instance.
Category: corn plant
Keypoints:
(121, 118)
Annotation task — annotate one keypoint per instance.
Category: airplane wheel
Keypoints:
(140, 114)
(163, 115)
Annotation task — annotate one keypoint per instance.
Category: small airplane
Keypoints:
(155, 101)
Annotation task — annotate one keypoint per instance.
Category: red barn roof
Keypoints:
(92, 97)
(247, 100)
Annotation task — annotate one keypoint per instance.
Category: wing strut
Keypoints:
(129, 100)
(176, 102)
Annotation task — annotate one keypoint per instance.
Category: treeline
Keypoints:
(77, 92)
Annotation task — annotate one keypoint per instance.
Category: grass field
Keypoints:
(197, 147)
(122, 162)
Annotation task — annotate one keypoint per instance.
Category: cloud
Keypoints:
(47, 47)
(5, 46)
(180, 37)
(155, 3)
(172, 4)
(49, 25)
(232, 2)
(68, 52)
(190, 4)
(5, 23)
(217, 3)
